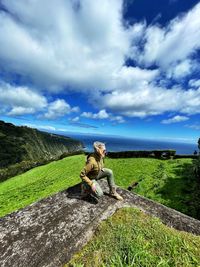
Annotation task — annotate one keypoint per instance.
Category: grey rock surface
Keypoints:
(49, 232)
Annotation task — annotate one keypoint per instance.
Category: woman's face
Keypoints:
(102, 151)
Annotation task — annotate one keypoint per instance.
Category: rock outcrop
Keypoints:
(49, 232)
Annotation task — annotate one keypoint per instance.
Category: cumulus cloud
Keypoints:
(182, 69)
(133, 78)
(152, 101)
(75, 119)
(18, 100)
(41, 127)
(175, 119)
(59, 108)
(21, 97)
(102, 114)
(140, 91)
(59, 42)
(175, 42)
(84, 46)
(194, 82)
(117, 119)
(17, 111)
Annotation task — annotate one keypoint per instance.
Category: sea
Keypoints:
(116, 144)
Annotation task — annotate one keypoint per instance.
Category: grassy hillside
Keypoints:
(22, 148)
(132, 238)
(170, 182)
(38, 183)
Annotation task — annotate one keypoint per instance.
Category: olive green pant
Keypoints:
(104, 173)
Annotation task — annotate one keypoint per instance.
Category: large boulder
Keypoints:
(49, 232)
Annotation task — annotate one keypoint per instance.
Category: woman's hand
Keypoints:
(93, 187)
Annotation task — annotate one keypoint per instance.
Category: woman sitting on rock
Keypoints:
(94, 171)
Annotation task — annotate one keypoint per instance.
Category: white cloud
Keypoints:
(17, 111)
(75, 119)
(175, 119)
(135, 91)
(83, 46)
(176, 42)
(62, 130)
(21, 97)
(117, 119)
(59, 108)
(151, 101)
(75, 109)
(102, 114)
(46, 127)
(133, 78)
(57, 43)
(194, 83)
(40, 127)
(181, 69)
(18, 100)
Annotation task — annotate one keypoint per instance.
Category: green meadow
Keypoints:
(170, 182)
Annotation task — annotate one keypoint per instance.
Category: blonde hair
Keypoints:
(98, 144)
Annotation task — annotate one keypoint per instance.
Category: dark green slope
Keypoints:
(27, 145)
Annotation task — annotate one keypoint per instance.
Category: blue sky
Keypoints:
(128, 68)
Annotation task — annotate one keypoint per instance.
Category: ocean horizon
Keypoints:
(116, 144)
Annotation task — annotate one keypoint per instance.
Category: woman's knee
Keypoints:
(99, 191)
(109, 172)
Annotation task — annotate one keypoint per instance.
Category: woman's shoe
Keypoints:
(114, 194)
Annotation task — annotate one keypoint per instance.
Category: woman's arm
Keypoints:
(88, 168)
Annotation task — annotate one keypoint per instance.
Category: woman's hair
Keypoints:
(98, 144)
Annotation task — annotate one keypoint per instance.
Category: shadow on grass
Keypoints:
(182, 192)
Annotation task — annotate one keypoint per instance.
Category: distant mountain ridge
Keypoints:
(23, 144)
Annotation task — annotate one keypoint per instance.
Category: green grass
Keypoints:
(173, 184)
(132, 238)
(169, 182)
(38, 183)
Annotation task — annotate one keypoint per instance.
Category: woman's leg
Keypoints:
(86, 189)
(99, 192)
(108, 173)
(111, 182)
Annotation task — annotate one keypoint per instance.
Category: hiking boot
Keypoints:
(114, 194)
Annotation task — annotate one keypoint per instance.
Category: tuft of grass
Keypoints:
(132, 238)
